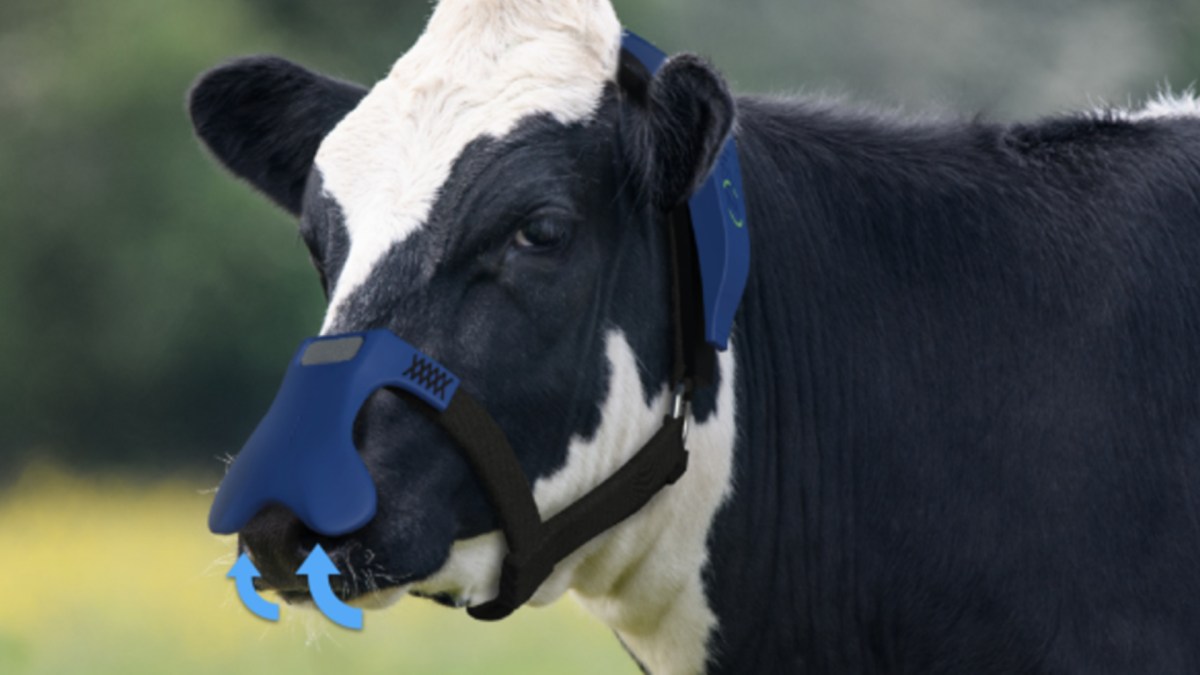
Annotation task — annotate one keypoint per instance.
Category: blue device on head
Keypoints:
(302, 455)
(719, 224)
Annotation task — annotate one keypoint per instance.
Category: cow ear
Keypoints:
(265, 117)
(689, 116)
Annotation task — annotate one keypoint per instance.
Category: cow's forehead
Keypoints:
(480, 67)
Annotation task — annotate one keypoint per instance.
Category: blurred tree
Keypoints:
(358, 40)
(1183, 16)
(145, 310)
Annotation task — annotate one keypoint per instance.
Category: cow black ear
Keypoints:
(690, 116)
(265, 117)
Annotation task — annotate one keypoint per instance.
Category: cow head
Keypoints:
(497, 201)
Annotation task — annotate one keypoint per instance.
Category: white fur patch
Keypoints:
(643, 578)
(480, 67)
(1166, 105)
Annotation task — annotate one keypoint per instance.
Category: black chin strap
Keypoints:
(536, 547)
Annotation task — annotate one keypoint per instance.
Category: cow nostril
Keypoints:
(306, 541)
(271, 540)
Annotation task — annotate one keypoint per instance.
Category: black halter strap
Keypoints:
(536, 547)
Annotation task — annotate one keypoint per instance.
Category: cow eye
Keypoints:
(541, 234)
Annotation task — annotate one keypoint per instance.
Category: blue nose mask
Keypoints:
(302, 455)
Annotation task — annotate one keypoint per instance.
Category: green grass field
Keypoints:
(112, 576)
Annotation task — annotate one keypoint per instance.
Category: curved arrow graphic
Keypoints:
(244, 573)
(318, 568)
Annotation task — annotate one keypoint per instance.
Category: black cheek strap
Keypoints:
(536, 547)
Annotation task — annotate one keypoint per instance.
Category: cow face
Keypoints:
(497, 201)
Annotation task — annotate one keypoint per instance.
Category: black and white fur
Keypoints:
(959, 426)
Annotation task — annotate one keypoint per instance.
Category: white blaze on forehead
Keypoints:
(480, 67)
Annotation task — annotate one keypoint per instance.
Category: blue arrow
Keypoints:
(318, 568)
(244, 572)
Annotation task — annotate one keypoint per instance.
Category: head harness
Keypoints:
(302, 454)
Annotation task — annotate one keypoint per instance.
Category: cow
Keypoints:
(958, 426)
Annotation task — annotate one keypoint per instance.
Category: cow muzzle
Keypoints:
(302, 455)
(302, 458)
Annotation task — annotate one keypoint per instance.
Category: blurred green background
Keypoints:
(148, 302)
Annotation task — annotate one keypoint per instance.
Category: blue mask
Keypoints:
(302, 455)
